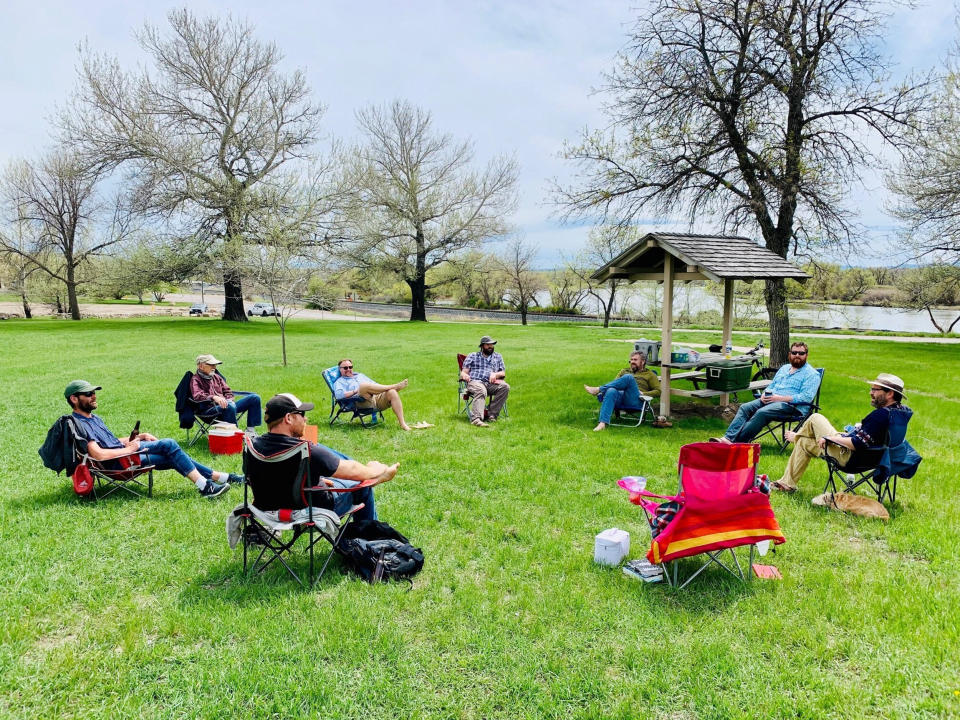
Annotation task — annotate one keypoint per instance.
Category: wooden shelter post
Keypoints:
(666, 336)
(727, 323)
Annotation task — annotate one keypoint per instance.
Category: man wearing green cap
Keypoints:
(166, 454)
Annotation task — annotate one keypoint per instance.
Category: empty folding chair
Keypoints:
(718, 507)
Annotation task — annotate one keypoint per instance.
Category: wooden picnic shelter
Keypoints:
(680, 257)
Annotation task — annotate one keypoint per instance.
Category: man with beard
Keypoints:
(794, 384)
(483, 371)
(626, 389)
(166, 454)
(886, 394)
(285, 416)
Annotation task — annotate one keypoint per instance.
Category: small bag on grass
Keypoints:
(376, 552)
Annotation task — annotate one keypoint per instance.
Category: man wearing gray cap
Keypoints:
(210, 391)
(483, 371)
(886, 394)
(285, 416)
(166, 454)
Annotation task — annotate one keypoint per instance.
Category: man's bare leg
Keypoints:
(371, 388)
(394, 397)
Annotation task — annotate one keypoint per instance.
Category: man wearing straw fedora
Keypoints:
(886, 394)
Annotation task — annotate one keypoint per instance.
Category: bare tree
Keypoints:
(929, 287)
(205, 134)
(603, 245)
(753, 112)
(523, 282)
(417, 202)
(22, 238)
(71, 222)
(567, 290)
(928, 182)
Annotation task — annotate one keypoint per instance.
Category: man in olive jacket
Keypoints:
(626, 389)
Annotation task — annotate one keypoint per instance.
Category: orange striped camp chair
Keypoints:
(718, 507)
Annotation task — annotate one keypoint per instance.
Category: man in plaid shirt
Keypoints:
(483, 371)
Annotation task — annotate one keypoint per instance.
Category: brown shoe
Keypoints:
(479, 423)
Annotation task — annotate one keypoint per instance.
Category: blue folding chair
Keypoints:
(777, 429)
(368, 416)
(878, 468)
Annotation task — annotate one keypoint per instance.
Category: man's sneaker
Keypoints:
(213, 489)
(236, 479)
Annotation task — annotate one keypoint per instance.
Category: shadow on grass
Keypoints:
(65, 496)
(228, 583)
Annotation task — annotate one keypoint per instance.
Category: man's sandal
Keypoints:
(779, 486)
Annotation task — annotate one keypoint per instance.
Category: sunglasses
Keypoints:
(301, 413)
(87, 394)
(798, 352)
(346, 367)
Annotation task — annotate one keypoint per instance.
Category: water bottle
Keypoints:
(851, 478)
(848, 428)
(728, 350)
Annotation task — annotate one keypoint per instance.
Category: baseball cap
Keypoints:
(79, 386)
(208, 359)
(280, 405)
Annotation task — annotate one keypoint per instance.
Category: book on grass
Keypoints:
(767, 572)
(635, 574)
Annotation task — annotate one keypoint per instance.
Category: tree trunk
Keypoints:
(72, 302)
(233, 296)
(26, 305)
(283, 339)
(775, 295)
(523, 314)
(418, 299)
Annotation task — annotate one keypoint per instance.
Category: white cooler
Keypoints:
(611, 546)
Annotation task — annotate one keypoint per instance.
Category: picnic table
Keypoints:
(698, 376)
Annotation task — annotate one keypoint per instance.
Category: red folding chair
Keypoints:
(718, 507)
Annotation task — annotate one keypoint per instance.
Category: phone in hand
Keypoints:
(136, 431)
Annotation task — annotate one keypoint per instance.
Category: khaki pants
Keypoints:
(478, 391)
(807, 447)
(380, 401)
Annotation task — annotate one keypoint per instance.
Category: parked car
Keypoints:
(198, 309)
(262, 309)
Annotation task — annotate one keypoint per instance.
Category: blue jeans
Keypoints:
(344, 501)
(243, 401)
(753, 416)
(618, 393)
(166, 454)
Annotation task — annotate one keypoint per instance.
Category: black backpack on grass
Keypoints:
(376, 552)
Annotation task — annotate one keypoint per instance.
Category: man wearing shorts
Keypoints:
(350, 384)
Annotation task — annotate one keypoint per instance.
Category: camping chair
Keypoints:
(626, 416)
(777, 429)
(463, 397)
(263, 532)
(877, 468)
(350, 405)
(717, 508)
(199, 415)
(123, 473)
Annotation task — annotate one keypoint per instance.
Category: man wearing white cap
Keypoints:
(886, 394)
(286, 421)
(209, 390)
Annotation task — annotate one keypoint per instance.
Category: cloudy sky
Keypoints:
(515, 77)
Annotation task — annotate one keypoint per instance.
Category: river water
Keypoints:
(692, 298)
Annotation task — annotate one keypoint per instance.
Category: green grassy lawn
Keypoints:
(130, 608)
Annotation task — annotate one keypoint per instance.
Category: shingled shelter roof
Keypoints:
(707, 257)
